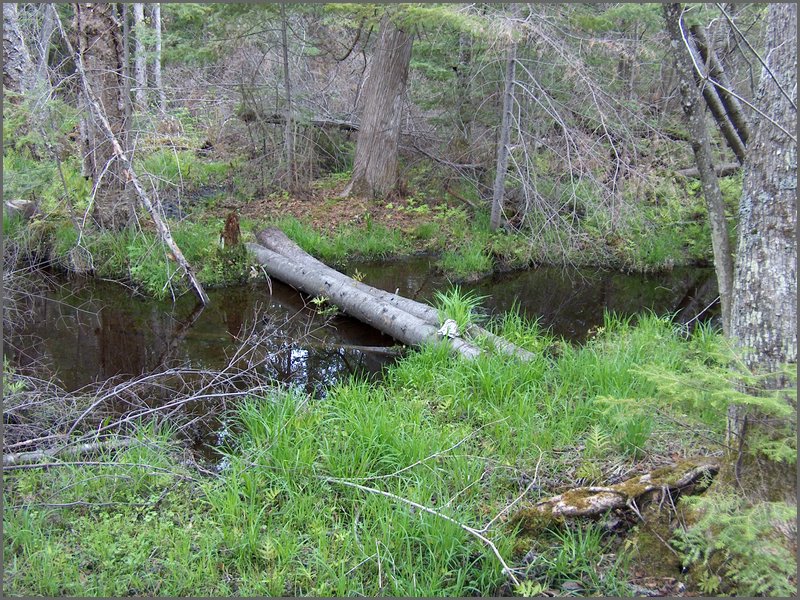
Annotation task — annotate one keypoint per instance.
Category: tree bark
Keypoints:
(365, 307)
(155, 13)
(100, 47)
(375, 164)
(701, 145)
(45, 34)
(17, 64)
(126, 59)
(499, 189)
(764, 313)
(139, 61)
(275, 240)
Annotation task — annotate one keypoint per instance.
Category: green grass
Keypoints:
(445, 433)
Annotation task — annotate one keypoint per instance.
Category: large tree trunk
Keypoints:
(155, 12)
(275, 240)
(139, 62)
(17, 64)
(499, 190)
(701, 145)
(100, 47)
(375, 165)
(764, 314)
(341, 292)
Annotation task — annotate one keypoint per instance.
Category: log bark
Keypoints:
(17, 63)
(277, 241)
(596, 500)
(365, 307)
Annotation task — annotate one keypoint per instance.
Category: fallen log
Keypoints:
(277, 241)
(365, 307)
(723, 170)
(26, 458)
(595, 500)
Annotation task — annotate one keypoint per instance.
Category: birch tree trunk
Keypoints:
(499, 189)
(139, 62)
(155, 13)
(17, 64)
(100, 48)
(764, 313)
(375, 165)
(701, 145)
(288, 136)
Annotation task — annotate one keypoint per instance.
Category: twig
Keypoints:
(472, 531)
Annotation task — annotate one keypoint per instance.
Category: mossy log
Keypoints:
(595, 500)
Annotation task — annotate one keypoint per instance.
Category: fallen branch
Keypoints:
(722, 170)
(26, 458)
(596, 500)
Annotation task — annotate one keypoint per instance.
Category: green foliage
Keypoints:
(459, 306)
(183, 168)
(739, 549)
(468, 260)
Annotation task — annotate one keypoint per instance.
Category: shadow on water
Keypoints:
(88, 331)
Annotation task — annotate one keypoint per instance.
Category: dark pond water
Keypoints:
(87, 331)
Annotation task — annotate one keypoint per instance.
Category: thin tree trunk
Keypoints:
(701, 145)
(375, 165)
(155, 12)
(288, 136)
(764, 313)
(499, 189)
(45, 33)
(732, 105)
(126, 60)
(140, 64)
(17, 64)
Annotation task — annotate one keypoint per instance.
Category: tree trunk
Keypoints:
(375, 165)
(140, 64)
(126, 60)
(502, 146)
(155, 13)
(288, 135)
(764, 314)
(17, 64)
(365, 307)
(100, 48)
(45, 34)
(119, 156)
(701, 145)
(732, 105)
(275, 240)
(715, 106)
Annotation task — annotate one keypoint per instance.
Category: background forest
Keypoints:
(146, 144)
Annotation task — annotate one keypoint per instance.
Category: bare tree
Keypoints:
(694, 111)
(764, 312)
(139, 60)
(155, 15)
(375, 165)
(499, 190)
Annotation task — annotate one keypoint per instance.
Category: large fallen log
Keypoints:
(365, 307)
(277, 241)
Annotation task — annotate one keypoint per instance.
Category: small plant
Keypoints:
(458, 306)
